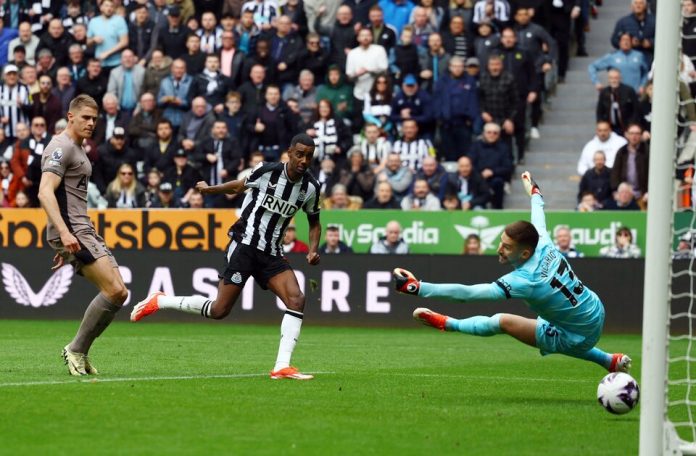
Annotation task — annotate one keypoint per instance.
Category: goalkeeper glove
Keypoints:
(405, 282)
(529, 185)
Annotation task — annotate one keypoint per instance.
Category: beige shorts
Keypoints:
(92, 247)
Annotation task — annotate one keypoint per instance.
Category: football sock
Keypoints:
(199, 305)
(289, 333)
(596, 356)
(477, 326)
(98, 315)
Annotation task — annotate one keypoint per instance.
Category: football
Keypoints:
(618, 393)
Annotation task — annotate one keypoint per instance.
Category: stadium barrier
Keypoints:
(351, 290)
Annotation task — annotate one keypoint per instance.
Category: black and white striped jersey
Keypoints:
(271, 204)
(264, 11)
(413, 152)
(14, 101)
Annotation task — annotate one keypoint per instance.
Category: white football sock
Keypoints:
(289, 333)
(190, 304)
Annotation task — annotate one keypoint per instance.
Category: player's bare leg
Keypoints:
(285, 286)
(99, 313)
(521, 328)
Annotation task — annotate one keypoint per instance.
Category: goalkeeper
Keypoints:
(571, 316)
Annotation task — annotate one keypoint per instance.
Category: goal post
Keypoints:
(657, 281)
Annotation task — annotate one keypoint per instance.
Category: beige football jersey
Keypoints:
(69, 161)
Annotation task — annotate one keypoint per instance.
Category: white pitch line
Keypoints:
(138, 379)
(514, 379)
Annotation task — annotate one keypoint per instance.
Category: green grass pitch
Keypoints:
(169, 389)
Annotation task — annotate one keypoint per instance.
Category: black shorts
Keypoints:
(243, 261)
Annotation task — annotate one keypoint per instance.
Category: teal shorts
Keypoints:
(554, 339)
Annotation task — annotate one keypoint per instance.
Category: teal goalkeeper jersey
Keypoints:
(546, 282)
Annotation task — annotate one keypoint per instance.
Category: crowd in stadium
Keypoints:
(414, 106)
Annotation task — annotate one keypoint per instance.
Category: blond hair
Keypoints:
(82, 101)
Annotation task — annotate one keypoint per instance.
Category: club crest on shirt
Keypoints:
(57, 154)
(302, 196)
(236, 278)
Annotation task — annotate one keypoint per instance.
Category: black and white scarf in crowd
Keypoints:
(12, 99)
(326, 138)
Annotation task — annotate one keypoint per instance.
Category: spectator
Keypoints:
(142, 35)
(559, 16)
(377, 107)
(112, 155)
(196, 201)
(606, 141)
(261, 56)
(411, 147)
(383, 199)
(413, 103)
(357, 176)
(18, 58)
(294, 9)
(264, 12)
(685, 248)
(7, 196)
(26, 161)
(331, 137)
(496, 11)
(337, 92)
(404, 57)
(22, 201)
(374, 147)
(173, 93)
(154, 179)
(285, 50)
(640, 24)
(631, 164)
(235, 118)
(247, 32)
(617, 103)
(161, 155)
(563, 242)
(196, 125)
(64, 89)
(460, 8)
(126, 82)
(57, 40)
(597, 180)
(27, 39)
(46, 104)
(470, 188)
(385, 34)
(496, 88)
(363, 64)
(76, 63)
(212, 84)
(171, 39)
(456, 107)
(472, 245)
(93, 83)
(109, 118)
(397, 12)
(455, 39)
(306, 95)
(341, 35)
(588, 203)
(210, 34)
(290, 242)
(485, 41)
(630, 63)
(396, 173)
(332, 243)
(436, 176)
(433, 63)
(158, 69)
(183, 178)
(15, 102)
(252, 91)
(29, 77)
(327, 175)
(109, 33)
(491, 158)
(165, 197)
(231, 58)
(273, 125)
(340, 199)
(434, 13)
(142, 129)
(624, 199)
(314, 57)
(391, 242)
(194, 58)
(219, 158)
(623, 245)
(125, 191)
(46, 64)
(422, 28)
(421, 198)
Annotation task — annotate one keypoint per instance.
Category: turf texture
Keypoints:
(170, 389)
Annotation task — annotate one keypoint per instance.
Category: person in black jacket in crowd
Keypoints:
(491, 159)
(470, 188)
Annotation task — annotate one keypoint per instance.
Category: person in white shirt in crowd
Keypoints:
(375, 148)
(421, 198)
(364, 63)
(605, 140)
(563, 240)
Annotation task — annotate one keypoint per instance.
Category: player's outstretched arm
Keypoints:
(533, 190)
(231, 187)
(406, 282)
(314, 236)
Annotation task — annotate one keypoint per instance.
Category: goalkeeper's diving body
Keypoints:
(571, 316)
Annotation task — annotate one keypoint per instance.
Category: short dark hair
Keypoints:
(165, 121)
(523, 233)
(332, 228)
(303, 139)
